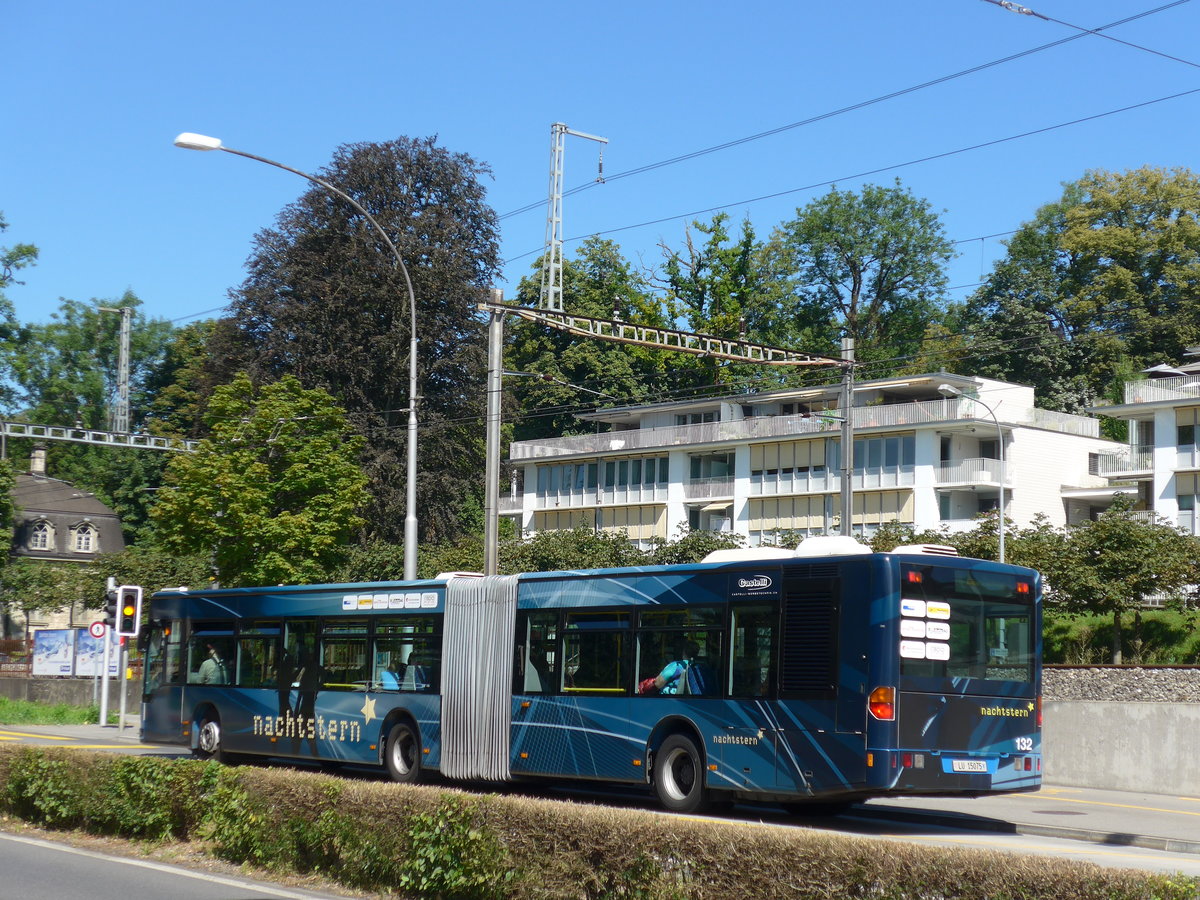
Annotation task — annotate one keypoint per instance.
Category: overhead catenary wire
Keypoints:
(852, 107)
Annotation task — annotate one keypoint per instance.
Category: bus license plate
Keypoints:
(969, 765)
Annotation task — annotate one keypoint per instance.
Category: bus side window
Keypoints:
(537, 654)
(596, 654)
(751, 649)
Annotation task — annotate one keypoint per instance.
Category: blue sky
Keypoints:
(97, 92)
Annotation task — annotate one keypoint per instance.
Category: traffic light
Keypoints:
(110, 610)
(130, 610)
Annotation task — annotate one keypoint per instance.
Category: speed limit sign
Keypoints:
(97, 629)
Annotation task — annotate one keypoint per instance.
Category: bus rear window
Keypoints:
(965, 623)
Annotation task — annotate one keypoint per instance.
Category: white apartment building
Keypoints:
(1161, 464)
(766, 463)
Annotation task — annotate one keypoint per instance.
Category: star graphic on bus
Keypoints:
(368, 710)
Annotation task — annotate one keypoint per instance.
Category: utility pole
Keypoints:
(848, 436)
(491, 494)
(551, 296)
(120, 413)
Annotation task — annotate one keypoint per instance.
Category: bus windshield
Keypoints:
(966, 623)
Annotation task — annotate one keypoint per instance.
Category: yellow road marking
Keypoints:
(22, 734)
(1178, 812)
(101, 746)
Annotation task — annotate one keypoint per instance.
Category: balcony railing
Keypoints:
(972, 471)
(511, 504)
(883, 417)
(1158, 389)
(707, 488)
(1125, 462)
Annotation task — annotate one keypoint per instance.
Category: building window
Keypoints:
(83, 539)
(696, 418)
(41, 536)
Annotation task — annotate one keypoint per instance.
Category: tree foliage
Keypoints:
(872, 262)
(326, 303)
(577, 373)
(273, 493)
(1103, 281)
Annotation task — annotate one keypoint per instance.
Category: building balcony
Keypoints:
(708, 488)
(1124, 463)
(512, 504)
(978, 471)
(1180, 387)
(889, 417)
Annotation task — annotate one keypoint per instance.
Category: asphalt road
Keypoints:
(38, 868)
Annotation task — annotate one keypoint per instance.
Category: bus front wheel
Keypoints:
(208, 743)
(403, 754)
(679, 775)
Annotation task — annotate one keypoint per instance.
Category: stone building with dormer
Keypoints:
(58, 523)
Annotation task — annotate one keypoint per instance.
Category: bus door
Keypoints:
(162, 689)
(748, 739)
(570, 702)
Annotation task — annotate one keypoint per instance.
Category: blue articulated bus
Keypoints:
(810, 678)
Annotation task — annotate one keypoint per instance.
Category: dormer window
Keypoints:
(84, 538)
(41, 536)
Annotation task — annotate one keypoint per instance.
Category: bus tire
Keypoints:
(208, 740)
(679, 775)
(402, 754)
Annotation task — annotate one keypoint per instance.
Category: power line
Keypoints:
(854, 106)
(877, 171)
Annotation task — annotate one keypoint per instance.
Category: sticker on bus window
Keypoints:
(912, 628)
(429, 600)
(349, 602)
(936, 609)
(395, 601)
(381, 601)
(914, 608)
(937, 651)
(912, 649)
(412, 601)
(937, 631)
(366, 601)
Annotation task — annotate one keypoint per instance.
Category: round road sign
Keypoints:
(97, 629)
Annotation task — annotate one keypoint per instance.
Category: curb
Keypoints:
(974, 823)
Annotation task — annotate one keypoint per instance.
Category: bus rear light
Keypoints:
(906, 760)
(1038, 714)
(882, 703)
(870, 760)
(913, 576)
(1023, 587)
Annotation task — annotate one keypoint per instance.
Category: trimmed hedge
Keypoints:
(435, 842)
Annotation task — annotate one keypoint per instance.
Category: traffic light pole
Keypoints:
(110, 592)
(123, 681)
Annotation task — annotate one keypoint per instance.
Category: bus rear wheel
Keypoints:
(402, 754)
(679, 776)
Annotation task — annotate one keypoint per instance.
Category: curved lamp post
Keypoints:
(949, 390)
(189, 141)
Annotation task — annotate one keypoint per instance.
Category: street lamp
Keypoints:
(189, 141)
(949, 390)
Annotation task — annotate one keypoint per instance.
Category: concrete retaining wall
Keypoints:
(1148, 747)
(75, 691)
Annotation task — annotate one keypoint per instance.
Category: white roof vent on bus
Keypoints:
(446, 576)
(746, 554)
(929, 549)
(831, 545)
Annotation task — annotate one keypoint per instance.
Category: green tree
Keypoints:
(12, 260)
(273, 493)
(597, 282)
(34, 585)
(579, 548)
(178, 388)
(324, 301)
(1111, 565)
(1103, 281)
(691, 546)
(871, 263)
